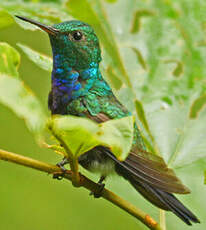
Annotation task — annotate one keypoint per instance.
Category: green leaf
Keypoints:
(178, 70)
(39, 59)
(15, 95)
(111, 1)
(136, 22)
(77, 133)
(116, 82)
(174, 32)
(93, 13)
(140, 58)
(197, 106)
(81, 134)
(6, 19)
(181, 140)
(117, 135)
(142, 117)
(205, 178)
(9, 60)
(48, 13)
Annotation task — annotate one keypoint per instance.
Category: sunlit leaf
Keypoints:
(5, 19)
(176, 31)
(17, 97)
(41, 60)
(77, 133)
(93, 13)
(14, 94)
(48, 13)
(117, 134)
(81, 134)
(9, 60)
(181, 140)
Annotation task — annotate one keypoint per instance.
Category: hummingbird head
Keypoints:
(74, 43)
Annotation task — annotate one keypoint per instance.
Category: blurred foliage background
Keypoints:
(154, 57)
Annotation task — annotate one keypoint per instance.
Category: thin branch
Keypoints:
(84, 182)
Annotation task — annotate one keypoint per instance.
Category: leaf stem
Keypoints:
(73, 161)
(76, 180)
(162, 220)
(84, 182)
(57, 148)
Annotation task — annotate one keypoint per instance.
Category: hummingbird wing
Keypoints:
(145, 166)
(150, 169)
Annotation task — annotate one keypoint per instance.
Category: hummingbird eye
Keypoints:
(77, 35)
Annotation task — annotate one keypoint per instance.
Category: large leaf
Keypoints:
(5, 19)
(48, 13)
(15, 95)
(41, 60)
(81, 134)
(181, 140)
(171, 92)
(171, 85)
(9, 60)
(13, 92)
(93, 13)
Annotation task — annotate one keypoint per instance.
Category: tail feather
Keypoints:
(147, 183)
(164, 200)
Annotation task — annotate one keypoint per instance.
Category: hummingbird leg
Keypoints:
(61, 166)
(98, 193)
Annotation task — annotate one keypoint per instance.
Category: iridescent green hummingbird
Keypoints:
(79, 89)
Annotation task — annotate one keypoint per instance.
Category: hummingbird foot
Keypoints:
(61, 166)
(98, 193)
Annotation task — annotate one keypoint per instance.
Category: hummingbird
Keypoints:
(79, 89)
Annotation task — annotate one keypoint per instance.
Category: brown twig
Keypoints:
(84, 182)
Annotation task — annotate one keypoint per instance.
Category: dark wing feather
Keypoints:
(152, 172)
(147, 167)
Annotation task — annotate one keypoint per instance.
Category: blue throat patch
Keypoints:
(70, 84)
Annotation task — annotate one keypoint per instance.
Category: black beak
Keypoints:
(47, 29)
